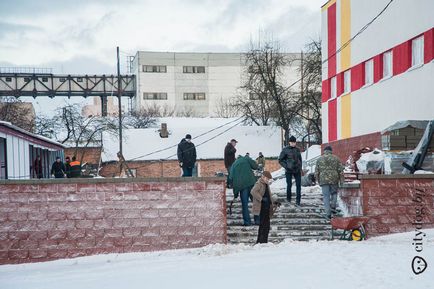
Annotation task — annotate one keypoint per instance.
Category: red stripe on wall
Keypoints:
(429, 45)
(332, 120)
(401, 57)
(340, 84)
(378, 68)
(331, 39)
(325, 90)
(357, 76)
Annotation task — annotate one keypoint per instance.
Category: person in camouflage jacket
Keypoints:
(328, 173)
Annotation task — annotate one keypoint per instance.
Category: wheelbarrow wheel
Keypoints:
(356, 235)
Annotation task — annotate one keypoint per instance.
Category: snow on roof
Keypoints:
(139, 142)
(37, 136)
(421, 124)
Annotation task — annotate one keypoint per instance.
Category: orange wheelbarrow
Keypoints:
(353, 228)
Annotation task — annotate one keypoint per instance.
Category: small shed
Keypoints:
(19, 149)
(404, 135)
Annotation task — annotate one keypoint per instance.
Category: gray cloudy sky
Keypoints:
(81, 36)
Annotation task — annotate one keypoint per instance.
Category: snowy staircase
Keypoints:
(289, 222)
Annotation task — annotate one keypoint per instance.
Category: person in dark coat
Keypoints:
(229, 158)
(74, 168)
(290, 160)
(186, 156)
(243, 180)
(37, 168)
(68, 167)
(58, 169)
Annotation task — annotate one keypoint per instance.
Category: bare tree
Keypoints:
(269, 97)
(139, 119)
(17, 112)
(310, 97)
(187, 111)
(225, 108)
(76, 130)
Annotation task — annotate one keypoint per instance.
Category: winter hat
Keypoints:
(188, 136)
(234, 140)
(267, 174)
(292, 139)
(328, 148)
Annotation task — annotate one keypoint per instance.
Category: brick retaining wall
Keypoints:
(47, 220)
(345, 147)
(170, 168)
(392, 201)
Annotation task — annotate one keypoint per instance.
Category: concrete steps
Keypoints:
(305, 223)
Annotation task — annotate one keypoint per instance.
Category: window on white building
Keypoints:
(155, 68)
(417, 51)
(193, 69)
(155, 95)
(369, 72)
(194, 96)
(347, 81)
(387, 64)
(333, 87)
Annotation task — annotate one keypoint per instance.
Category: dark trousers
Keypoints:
(264, 223)
(297, 177)
(228, 180)
(187, 172)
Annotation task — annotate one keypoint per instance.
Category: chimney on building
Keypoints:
(163, 131)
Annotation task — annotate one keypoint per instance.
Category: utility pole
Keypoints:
(119, 102)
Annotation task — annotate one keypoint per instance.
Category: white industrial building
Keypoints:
(193, 82)
(384, 75)
(19, 149)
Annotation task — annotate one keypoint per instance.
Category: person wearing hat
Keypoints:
(58, 169)
(328, 172)
(229, 159)
(290, 160)
(186, 156)
(263, 206)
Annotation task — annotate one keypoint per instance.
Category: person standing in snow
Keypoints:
(229, 159)
(328, 173)
(243, 180)
(260, 160)
(263, 206)
(186, 156)
(290, 160)
(58, 169)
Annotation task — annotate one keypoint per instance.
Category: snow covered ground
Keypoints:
(377, 263)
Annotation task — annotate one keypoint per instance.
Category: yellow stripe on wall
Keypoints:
(346, 116)
(345, 34)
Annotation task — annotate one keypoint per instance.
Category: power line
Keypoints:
(172, 146)
(359, 32)
(202, 143)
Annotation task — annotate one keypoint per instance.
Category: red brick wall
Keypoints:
(344, 148)
(170, 168)
(91, 155)
(47, 220)
(391, 202)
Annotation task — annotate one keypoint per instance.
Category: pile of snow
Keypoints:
(371, 162)
(423, 172)
(140, 142)
(376, 263)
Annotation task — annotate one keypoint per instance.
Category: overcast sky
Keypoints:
(81, 36)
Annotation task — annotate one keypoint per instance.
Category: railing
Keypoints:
(39, 70)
